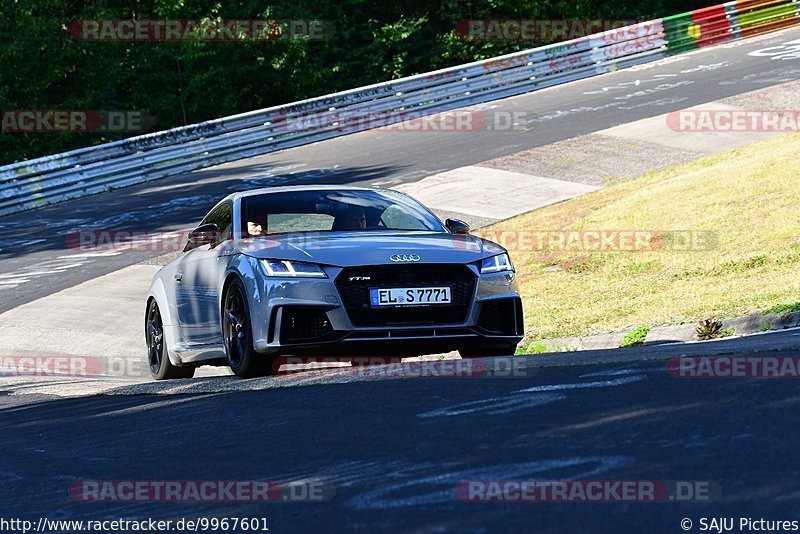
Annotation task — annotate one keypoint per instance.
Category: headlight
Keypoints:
(293, 269)
(496, 264)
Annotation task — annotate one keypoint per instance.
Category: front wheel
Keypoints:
(482, 351)
(157, 357)
(237, 335)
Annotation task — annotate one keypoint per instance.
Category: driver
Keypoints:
(256, 224)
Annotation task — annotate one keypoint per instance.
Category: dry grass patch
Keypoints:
(747, 201)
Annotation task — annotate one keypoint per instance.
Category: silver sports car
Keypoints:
(328, 271)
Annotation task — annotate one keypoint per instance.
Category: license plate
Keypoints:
(407, 296)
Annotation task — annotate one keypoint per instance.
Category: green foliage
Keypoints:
(783, 308)
(186, 82)
(635, 337)
(728, 332)
(534, 348)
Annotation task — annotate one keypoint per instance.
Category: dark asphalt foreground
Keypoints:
(35, 242)
(394, 450)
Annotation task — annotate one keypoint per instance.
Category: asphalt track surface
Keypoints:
(33, 245)
(389, 454)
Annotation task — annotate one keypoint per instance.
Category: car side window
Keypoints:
(396, 218)
(222, 216)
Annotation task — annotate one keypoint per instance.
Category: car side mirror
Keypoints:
(457, 226)
(205, 234)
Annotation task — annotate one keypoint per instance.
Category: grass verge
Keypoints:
(738, 209)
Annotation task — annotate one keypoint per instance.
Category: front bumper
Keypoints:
(309, 316)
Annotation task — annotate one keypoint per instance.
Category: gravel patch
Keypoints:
(784, 96)
(593, 159)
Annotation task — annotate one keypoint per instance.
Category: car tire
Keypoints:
(237, 335)
(484, 351)
(161, 367)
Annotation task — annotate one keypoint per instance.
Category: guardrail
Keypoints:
(60, 177)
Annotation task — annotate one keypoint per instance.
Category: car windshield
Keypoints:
(334, 211)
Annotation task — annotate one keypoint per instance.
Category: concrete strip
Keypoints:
(668, 334)
(491, 193)
(657, 130)
(573, 344)
(754, 324)
(682, 333)
(100, 321)
(102, 317)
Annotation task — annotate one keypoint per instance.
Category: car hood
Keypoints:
(347, 249)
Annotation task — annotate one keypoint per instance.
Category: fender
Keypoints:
(168, 315)
(245, 269)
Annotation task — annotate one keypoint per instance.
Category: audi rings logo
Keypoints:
(405, 258)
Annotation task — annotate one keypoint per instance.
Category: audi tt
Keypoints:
(328, 270)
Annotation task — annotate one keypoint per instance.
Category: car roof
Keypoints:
(290, 188)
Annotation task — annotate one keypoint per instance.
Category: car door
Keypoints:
(197, 278)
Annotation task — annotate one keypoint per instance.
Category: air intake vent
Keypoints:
(503, 317)
(304, 324)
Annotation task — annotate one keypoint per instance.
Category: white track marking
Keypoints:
(90, 255)
(403, 490)
(26, 275)
(584, 385)
(494, 405)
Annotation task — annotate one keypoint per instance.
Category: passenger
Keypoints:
(353, 219)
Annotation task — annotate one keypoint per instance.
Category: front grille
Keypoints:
(355, 294)
(503, 317)
(302, 324)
